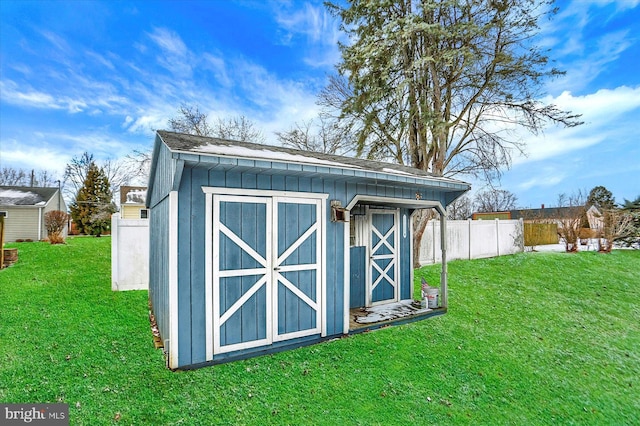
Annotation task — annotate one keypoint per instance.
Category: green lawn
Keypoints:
(535, 338)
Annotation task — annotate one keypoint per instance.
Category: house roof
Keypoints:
(133, 194)
(25, 195)
(251, 155)
(549, 212)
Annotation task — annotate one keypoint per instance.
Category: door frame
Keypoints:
(209, 192)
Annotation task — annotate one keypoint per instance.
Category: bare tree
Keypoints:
(617, 225)
(190, 120)
(570, 222)
(18, 177)
(495, 200)
(12, 177)
(238, 128)
(460, 209)
(325, 134)
(139, 165)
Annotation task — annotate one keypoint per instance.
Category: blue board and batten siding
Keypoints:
(181, 307)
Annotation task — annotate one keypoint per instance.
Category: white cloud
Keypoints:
(604, 115)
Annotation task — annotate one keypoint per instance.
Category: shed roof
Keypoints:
(25, 195)
(228, 153)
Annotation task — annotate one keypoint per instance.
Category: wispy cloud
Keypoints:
(316, 26)
(174, 54)
(584, 56)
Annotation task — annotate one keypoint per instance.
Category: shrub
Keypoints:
(55, 222)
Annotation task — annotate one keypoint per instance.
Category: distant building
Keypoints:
(132, 202)
(557, 214)
(24, 208)
(491, 216)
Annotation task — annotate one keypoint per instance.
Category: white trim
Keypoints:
(395, 202)
(210, 263)
(173, 279)
(322, 249)
(346, 320)
(263, 193)
(40, 223)
(115, 231)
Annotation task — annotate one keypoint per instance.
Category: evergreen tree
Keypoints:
(602, 198)
(91, 211)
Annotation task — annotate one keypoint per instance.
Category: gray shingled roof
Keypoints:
(179, 142)
(25, 195)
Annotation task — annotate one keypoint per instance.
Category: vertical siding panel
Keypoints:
(159, 265)
(233, 180)
(249, 181)
(263, 181)
(184, 267)
(304, 184)
(199, 178)
(217, 178)
(277, 183)
(291, 183)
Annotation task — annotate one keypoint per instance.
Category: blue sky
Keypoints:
(99, 76)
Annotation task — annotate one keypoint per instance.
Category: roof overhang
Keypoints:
(395, 202)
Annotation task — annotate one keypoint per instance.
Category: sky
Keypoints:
(102, 76)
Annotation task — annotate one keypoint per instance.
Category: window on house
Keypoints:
(4, 214)
(144, 214)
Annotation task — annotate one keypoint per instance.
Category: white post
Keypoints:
(498, 236)
(443, 250)
(470, 240)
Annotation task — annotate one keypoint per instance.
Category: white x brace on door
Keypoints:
(266, 270)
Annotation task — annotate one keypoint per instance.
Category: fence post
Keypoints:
(498, 236)
(469, 230)
(433, 245)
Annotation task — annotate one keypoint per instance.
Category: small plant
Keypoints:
(55, 222)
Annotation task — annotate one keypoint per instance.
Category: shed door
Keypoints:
(266, 270)
(296, 267)
(383, 257)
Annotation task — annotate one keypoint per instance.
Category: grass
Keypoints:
(534, 338)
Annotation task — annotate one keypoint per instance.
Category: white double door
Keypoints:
(266, 271)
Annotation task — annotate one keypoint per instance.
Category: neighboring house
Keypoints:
(256, 249)
(491, 216)
(557, 214)
(545, 215)
(24, 208)
(132, 202)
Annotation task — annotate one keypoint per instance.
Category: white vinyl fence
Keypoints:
(129, 253)
(472, 239)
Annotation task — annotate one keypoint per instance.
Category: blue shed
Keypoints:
(256, 249)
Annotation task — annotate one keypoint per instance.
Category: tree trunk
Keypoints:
(419, 226)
